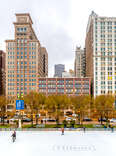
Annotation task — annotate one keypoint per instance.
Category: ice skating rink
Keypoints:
(73, 143)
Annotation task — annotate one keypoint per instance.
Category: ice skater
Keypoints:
(112, 129)
(62, 131)
(84, 129)
(13, 136)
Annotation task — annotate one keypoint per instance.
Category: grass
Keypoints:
(56, 126)
(5, 126)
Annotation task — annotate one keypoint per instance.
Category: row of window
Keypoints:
(21, 29)
(62, 82)
(25, 53)
(106, 22)
(25, 48)
(23, 62)
(62, 91)
(10, 80)
(21, 57)
(105, 27)
(62, 86)
(24, 40)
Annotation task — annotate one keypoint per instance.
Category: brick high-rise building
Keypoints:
(25, 61)
(2, 73)
(101, 53)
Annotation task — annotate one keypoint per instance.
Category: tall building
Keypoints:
(25, 61)
(2, 73)
(43, 63)
(79, 65)
(101, 53)
(59, 68)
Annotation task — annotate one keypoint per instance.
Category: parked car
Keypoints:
(13, 119)
(74, 115)
(87, 119)
(5, 120)
(102, 119)
(48, 120)
(112, 120)
(69, 119)
(27, 120)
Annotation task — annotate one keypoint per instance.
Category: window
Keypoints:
(25, 29)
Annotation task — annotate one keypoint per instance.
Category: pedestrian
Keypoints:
(112, 129)
(13, 136)
(84, 129)
(62, 131)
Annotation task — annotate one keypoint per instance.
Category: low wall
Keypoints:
(57, 129)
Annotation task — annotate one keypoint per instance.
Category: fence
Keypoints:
(58, 129)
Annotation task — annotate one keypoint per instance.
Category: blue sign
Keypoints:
(19, 104)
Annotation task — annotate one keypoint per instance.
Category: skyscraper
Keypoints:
(2, 73)
(24, 59)
(101, 53)
(59, 68)
(43, 63)
(79, 65)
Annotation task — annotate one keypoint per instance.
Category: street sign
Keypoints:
(19, 104)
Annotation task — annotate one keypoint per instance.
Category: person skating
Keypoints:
(112, 128)
(13, 136)
(84, 129)
(62, 131)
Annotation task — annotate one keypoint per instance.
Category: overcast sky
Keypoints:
(60, 25)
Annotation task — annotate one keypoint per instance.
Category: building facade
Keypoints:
(69, 74)
(101, 53)
(58, 69)
(24, 59)
(68, 86)
(2, 73)
(79, 65)
(43, 63)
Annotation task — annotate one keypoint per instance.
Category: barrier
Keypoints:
(57, 129)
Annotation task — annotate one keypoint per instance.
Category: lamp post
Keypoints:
(19, 107)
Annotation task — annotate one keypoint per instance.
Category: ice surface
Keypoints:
(73, 143)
